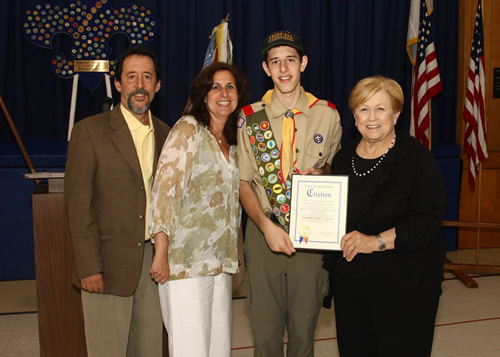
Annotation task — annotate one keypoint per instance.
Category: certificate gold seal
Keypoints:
(304, 232)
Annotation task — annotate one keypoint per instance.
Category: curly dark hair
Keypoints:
(138, 51)
(199, 90)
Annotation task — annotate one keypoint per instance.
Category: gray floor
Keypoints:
(468, 321)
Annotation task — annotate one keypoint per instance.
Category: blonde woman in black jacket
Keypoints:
(386, 281)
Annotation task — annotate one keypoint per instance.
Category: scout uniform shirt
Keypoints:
(317, 139)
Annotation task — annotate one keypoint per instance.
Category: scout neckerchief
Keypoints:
(288, 144)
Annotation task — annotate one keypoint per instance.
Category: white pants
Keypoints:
(197, 315)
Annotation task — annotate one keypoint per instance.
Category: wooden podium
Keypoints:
(60, 315)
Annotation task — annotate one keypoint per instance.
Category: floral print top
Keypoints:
(196, 202)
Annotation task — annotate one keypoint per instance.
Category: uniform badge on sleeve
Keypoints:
(241, 121)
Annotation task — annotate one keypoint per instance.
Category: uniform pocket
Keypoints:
(317, 154)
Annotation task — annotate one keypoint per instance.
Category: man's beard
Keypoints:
(133, 107)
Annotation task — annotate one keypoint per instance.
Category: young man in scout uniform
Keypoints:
(288, 131)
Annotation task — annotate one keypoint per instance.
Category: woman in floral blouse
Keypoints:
(196, 215)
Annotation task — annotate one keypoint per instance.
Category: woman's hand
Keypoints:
(355, 242)
(160, 270)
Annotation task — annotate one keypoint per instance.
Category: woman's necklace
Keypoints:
(376, 164)
(217, 136)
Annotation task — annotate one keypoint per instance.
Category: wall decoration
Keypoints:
(90, 24)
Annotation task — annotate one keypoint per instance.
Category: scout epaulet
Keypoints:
(331, 105)
(253, 108)
(322, 102)
(248, 110)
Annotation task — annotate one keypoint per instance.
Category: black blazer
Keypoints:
(409, 195)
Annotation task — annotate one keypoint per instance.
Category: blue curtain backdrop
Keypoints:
(345, 40)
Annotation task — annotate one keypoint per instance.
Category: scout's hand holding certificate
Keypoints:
(318, 211)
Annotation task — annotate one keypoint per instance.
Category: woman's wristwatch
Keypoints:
(381, 243)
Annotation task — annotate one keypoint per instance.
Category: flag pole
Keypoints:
(478, 229)
(429, 145)
(19, 142)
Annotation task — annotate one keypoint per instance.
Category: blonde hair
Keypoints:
(367, 87)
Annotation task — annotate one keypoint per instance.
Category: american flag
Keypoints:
(426, 80)
(474, 111)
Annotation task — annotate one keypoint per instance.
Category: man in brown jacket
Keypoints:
(112, 159)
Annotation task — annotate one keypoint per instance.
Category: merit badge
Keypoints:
(256, 127)
(259, 137)
(277, 188)
(261, 171)
(266, 157)
(271, 144)
(285, 208)
(268, 134)
(273, 178)
(264, 125)
(249, 130)
(269, 167)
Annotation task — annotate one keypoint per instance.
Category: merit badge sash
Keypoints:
(267, 157)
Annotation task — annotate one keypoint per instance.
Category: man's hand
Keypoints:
(277, 239)
(93, 283)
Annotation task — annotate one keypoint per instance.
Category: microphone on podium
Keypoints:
(106, 104)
